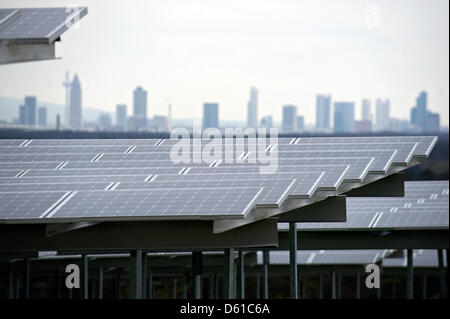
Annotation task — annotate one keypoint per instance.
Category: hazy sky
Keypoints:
(190, 52)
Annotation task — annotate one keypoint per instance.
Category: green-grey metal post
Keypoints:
(424, 287)
(174, 288)
(150, 286)
(228, 275)
(85, 274)
(216, 286)
(266, 262)
(26, 277)
(117, 291)
(333, 285)
(293, 260)
(144, 274)
(136, 274)
(304, 287)
(339, 281)
(241, 276)
(196, 274)
(184, 286)
(441, 273)
(258, 286)
(10, 283)
(17, 291)
(100, 283)
(410, 275)
(358, 285)
(320, 286)
(393, 287)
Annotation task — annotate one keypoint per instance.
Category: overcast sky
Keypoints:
(190, 52)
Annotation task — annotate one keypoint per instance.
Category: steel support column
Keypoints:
(228, 276)
(320, 286)
(174, 288)
(85, 274)
(136, 274)
(442, 273)
(100, 283)
(258, 286)
(333, 285)
(196, 274)
(293, 260)
(150, 286)
(241, 276)
(144, 275)
(424, 287)
(358, 285)
(266, 262)
(410, 275)
(26, 278)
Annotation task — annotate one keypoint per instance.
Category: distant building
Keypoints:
(419, 112)
(382, 115)
(433, 122)
(300, 123)
(75, 104)
(30, 110)
(140, 108)
(398, 125)
(22, 115)
(160, 123)
(289, 122)
(252, 109)
(363, 126)
(267, 122)
(366, 110)
(121, 117)
(105, 121)
(42, 116)
(323, 111)
(344, 116)
(210, 115)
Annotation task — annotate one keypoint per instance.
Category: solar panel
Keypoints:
(129, 164)
(275, 191)
(422, 258)
(424, 148)
(404, 150)
(42, 187)
(159, 203)
(9, 172)
(27, 165)
(28, 150)
(16, 206)
(100, 171)
(36, 25)
(73, 179)
(306, 183)
(47, 157)
(11, 142)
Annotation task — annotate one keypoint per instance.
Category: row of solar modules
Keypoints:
(128, 191)
(424, 206)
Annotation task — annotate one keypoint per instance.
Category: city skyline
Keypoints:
(328, 51)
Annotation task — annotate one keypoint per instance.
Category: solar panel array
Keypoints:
(130, 179)
(37, 25)
(424, 206)
(425, 258)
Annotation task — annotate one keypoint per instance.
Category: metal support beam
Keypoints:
(424, 287)
(196, 274)
(117, 287)
(293, 260)
(333, 285)
(241, 276)
(228, 275)
(10, 284)
(320, 286)
(266, 262)
(136, 274)
(144, 275)
(185, 286)
(100, 283)
(442, 273)
(304, 287)
(26, 278)
(85, 275)
(150, 286)
(339, 286)
(174, 288)
(410, 275)
(358, 285)
(258, 285)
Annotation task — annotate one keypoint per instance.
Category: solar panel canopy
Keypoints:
(136, 179)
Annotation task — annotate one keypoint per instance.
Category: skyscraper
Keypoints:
(30, 110)
(75, 104)
(140, 108)
(289, 123)
(42, 116)
(66, 85)
(267, 122)
(300, 123)
(366, 112)
(121, 116)
(22, 115)
(382, 115)
(252, 109)
(344, 116)
(323, 110)
(210, 115)
(419, 112)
